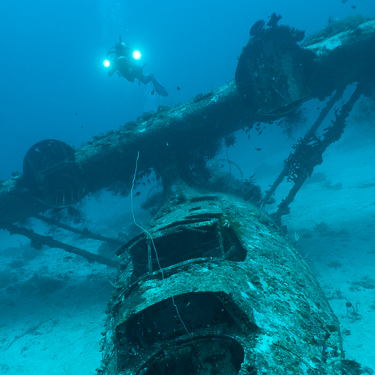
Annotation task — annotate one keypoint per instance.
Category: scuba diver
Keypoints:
(123, 59)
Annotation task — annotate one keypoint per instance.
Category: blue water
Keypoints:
(53, 83)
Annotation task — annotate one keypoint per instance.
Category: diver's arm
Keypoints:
(112, 69)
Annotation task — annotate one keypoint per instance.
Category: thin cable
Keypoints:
(153, 245)
(139, 226)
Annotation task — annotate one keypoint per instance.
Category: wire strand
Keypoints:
(153, 245)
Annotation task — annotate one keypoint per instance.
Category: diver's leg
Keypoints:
(146, 78)
(159, 87)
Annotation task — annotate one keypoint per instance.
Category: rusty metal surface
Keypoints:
(208, 312)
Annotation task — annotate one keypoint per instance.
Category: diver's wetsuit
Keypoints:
(127, 67)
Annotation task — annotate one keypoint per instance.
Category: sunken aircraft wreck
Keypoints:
(212, 285)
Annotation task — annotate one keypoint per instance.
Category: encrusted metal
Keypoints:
(233, 297)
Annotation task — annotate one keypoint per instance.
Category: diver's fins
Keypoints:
(159, 88)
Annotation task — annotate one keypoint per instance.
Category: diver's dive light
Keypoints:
(136, 55)
(106, 63)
